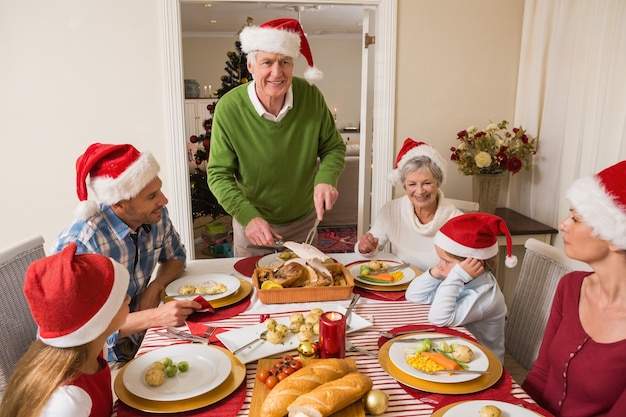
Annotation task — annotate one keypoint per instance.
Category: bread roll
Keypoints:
(331, 397)
(301, 382)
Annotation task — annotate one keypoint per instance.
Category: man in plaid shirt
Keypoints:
(131, 225)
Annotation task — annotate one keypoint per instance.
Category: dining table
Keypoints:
(381, 311)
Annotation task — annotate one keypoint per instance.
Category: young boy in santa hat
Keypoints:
(77, 301)
(462, 288)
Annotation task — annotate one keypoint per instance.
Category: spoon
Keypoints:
(262, 336)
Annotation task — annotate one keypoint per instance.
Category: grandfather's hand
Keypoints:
(474, 267)
(324, 198)
(259, 232)
(368, 243)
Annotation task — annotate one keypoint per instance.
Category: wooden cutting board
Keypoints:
(260, 391)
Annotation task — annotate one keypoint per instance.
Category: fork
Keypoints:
(312, 233)
(350, 347)
(209, 331)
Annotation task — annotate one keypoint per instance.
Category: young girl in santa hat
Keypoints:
(77, 301)
(462, 288)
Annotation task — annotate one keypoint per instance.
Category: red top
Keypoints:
(573, 375)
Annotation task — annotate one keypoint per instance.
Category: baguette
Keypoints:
(331, 397)
(301, 382)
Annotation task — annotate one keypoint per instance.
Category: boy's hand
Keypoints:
(474, 267)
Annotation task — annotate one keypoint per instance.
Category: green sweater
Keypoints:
(258, 167)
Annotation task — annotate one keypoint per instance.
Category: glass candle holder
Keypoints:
(332, 340)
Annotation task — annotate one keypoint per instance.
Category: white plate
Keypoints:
(232, 285)
(409, 274)
(270, 261)
(239, 337)
(398, 356)
(208, 368)
(471, 408)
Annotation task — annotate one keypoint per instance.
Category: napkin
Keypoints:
(380, 295)
(227, 407)
(220, 313)
(246, 266)
(206, 306)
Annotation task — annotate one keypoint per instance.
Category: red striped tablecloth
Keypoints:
(385, 315)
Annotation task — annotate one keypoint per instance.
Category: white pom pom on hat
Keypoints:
(601, 202)
(116, 173)
(475, 235)
(281, 36)
(411, 149)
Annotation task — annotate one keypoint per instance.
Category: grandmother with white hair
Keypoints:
(266, 139)
(580, 369)
(409, 223)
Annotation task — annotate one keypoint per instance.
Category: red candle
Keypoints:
(332, 342)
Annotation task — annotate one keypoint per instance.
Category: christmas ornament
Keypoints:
(307, 349)
(376, 402)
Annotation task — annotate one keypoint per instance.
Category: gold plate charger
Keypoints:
(245, 288)
(374, 287)
(468, 387)
(232, 382)
(472, 407)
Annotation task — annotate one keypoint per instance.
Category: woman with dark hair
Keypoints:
(580, 370)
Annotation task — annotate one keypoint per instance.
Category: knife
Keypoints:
(390, 269)
(185, 336)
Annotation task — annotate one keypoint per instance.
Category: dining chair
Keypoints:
(542, 268)
(464, 205)
(17, 326)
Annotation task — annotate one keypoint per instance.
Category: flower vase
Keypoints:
(485, 191)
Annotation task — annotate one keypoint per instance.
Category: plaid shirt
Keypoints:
(107, 234)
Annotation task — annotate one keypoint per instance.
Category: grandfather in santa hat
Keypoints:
(129, 223)
(266, 139)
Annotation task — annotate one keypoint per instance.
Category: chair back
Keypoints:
(17, 327)
(464, 205)
(542, 268)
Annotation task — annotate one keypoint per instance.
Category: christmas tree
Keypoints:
(236, 67)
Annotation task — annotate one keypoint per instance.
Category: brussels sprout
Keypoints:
(424, 346)
(167, 362)
(171, 370)
(365, 270)
(183, 366)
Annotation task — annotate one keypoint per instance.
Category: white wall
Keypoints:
(73, 73)
(76, 72)
(457, 67)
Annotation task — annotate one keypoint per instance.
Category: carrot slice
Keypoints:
(442, 360)
(384, 277)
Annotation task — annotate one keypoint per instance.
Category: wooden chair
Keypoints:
(464, 206)
(542, 268)
(17, 326)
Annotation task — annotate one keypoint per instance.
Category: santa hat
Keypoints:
(281, 36)
(411, 149)
(73, 298)
(116, 173)
(475, 235)
(601, 202)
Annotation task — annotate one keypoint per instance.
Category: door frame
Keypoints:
(383, 132)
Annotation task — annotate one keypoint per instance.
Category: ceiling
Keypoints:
(230, 17)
